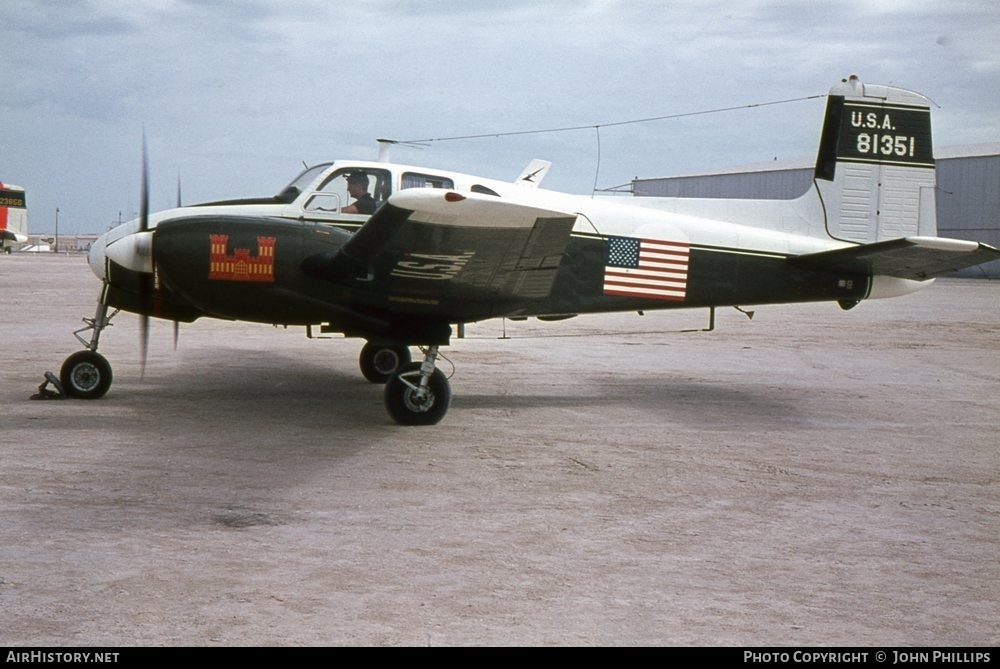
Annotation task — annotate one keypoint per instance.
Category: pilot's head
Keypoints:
(357, 180)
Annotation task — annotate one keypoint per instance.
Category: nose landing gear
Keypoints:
(87, 374)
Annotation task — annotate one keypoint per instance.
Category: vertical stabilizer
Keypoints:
(13, 217)
(875, 170)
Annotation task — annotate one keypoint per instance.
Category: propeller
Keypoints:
(177, 324)
(137, 255)
(145, 280)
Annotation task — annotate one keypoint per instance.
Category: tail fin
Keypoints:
(13, 217)
(533, 174)
(875, 177)
(875, 170)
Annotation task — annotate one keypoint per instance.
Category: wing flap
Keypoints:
(916, 258)
(431, 244)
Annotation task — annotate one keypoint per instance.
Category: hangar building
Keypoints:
(968, 194)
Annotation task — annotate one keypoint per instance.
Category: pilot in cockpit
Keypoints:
(357, 187)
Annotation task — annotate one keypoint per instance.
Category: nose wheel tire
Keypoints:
(379, 362)
(409, 403)
(85, 375)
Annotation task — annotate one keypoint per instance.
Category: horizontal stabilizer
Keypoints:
(916, 258)
(12, 236)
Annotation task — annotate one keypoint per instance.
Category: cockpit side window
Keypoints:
(415, 180)
(371, 187)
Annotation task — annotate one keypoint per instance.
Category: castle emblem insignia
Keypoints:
(240, 265)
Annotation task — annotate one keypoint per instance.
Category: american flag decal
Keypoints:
(646, 268)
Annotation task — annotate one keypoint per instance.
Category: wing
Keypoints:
(435, 245)
(917, 258)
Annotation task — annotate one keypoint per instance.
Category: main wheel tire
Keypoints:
(85, 375)
(379, 362)
(405, 404)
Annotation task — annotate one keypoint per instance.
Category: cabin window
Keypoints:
(415, 180)
(479, 188)
(332, 195)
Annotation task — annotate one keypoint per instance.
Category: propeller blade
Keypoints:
(179, 205)
(143, 340)
(144, 190)
(145, 280)
(177, 330)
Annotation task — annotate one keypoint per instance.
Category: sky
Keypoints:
(233, 96)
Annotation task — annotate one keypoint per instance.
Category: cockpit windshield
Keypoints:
(300, 183)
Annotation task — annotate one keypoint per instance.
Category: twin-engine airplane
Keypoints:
(445, 248)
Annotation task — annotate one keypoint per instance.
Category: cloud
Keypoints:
(235, 95)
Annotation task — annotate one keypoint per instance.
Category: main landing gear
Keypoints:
(419, 393)
(87, 374)
(416, 393)
(379, 362)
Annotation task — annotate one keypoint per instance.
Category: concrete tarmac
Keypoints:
(807, 477)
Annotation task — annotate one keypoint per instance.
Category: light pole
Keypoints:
(57, 230)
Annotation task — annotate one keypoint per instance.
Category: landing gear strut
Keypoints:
(419, 393)
(87, 374)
